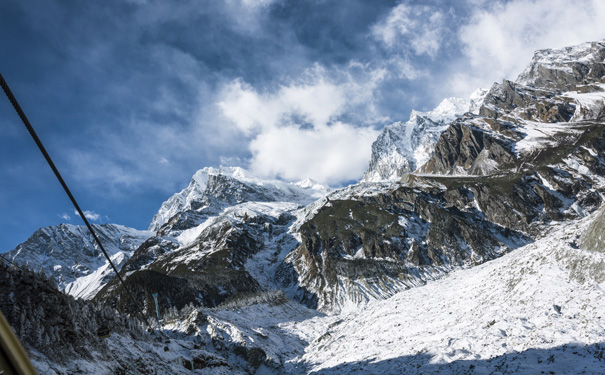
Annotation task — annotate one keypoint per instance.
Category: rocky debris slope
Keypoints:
(532, 156)
(537, 310)
(60, 333)
(69, 254)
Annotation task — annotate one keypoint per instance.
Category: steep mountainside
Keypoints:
(533, 155)
(500, 193)
(535, 310)
(228, 233)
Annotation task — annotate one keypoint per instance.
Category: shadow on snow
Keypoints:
(565, 359)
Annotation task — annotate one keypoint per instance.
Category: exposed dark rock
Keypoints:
(593, 238)
(206, 273)
(565, 69)
(465, 147)
(481, 194)
(510, 99)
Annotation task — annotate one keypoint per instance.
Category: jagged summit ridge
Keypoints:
(403, 147)
(230, 185)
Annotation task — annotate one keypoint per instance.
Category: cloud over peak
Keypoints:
(298, 130)
(500, 38)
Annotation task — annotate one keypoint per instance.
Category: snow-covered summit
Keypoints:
(234, 185)
(564, 68)
(403, 147)
(447, 110)
(69, 253)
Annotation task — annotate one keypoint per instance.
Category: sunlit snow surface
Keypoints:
(538, 308)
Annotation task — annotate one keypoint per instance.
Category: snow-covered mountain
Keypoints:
(225, 235)
(496, 180)
(70, 255)
(403, 147)
(212, 189)
(486, 257)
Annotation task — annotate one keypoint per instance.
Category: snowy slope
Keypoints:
(539, 308)
(70, 255)
(405, 146)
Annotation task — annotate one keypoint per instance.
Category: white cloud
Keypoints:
(65, 217)
(330, 154)
(297, 130)
(315, 102)
(247, 14)
(90, 215)
(420, 28)
(499, 40)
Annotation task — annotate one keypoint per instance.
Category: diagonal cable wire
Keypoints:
(8, 260)
(31, 131)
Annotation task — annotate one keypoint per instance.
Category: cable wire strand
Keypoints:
(50, 162)
(8, 261)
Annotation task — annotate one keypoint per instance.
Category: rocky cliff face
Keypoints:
(532, 155)
(228, 232)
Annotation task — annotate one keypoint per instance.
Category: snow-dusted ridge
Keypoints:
(70, 255)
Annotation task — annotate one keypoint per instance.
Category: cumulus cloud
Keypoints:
(90, 215)
(297, 130)
(499, 39)
(420, 28)
(316, 103)
(330, 154)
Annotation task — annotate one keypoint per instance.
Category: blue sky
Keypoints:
(132, 97)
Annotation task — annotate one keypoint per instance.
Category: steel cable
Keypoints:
(50, 162)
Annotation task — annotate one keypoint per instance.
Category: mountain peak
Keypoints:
(215, 187)
(403, 147)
